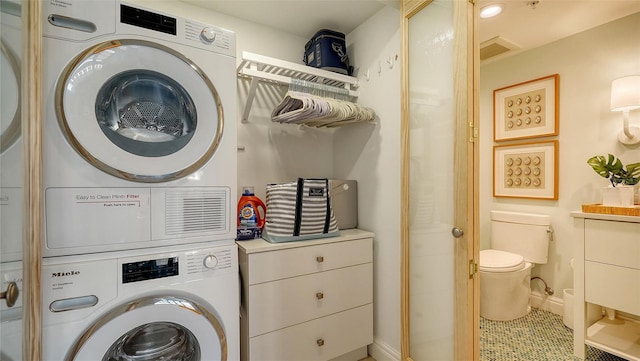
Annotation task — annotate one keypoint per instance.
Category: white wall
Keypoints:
(371, 155)
(272, 152)
(587, 63)
(368, 153)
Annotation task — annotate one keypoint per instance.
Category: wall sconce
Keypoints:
(625, 96)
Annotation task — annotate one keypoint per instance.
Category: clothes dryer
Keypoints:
(139, 128)
(179, 303)
(11, 169)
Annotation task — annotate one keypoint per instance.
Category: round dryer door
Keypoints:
(153, 328)
(139, 111)
(10, 109)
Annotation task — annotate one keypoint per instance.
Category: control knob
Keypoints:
(210, 261)
(208, 35)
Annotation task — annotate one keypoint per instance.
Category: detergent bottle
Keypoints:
(250, 220)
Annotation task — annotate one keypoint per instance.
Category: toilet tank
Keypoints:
(526, 234)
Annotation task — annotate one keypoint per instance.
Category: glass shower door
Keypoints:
(438, 195)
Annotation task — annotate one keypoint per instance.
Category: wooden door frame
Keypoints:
(466, 279)
(31, 110)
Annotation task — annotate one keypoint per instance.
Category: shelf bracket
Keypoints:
(252, 93)
(250, 97)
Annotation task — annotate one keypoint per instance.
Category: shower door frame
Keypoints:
(466, 248)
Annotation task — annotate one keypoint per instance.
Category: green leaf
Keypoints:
(611, 167)
(633, 174)
(598, 163)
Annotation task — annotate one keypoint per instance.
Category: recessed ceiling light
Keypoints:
(490, 11)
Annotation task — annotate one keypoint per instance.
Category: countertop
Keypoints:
(260, 245)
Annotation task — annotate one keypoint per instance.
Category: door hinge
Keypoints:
(473, 268)
(473, 132)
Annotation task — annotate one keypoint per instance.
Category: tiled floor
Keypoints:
(539, 336)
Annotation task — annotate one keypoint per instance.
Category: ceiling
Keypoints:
(520, 26)
(528, 26)
(300, 17)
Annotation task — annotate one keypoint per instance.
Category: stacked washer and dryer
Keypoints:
(11, 188)
(139, 146)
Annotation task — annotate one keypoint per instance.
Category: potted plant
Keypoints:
(622, 178)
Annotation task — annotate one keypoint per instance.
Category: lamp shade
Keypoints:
(625, 93)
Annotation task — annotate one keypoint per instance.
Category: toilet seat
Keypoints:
(495, 261)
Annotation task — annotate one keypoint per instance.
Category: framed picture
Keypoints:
(526, 110)
(526, 170)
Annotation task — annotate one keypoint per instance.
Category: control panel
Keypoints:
(209, 260)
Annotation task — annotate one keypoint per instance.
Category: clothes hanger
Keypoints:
(318, 105)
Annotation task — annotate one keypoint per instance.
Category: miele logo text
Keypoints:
(63, 274)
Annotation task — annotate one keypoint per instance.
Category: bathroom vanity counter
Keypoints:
(607, 273)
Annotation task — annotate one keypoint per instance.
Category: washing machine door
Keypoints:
(10, 109)
(139, 111)
(153, 328)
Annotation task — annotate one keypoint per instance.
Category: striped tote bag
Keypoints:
(299, 210)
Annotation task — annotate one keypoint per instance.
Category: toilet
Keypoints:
(518, 241)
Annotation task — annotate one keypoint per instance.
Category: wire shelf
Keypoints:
(280, 72)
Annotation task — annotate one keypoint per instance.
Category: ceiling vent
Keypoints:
(495, 46)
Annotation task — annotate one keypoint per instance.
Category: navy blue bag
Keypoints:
(327, 50)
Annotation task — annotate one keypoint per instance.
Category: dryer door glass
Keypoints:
(155, 341)
(139, 111)
(10, 109)
(146, 113)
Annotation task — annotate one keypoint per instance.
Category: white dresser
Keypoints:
(307, 300)
(607, 273)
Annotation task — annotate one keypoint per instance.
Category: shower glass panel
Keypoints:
(431, 175)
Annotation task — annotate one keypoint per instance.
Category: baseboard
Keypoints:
(383, 352)
(545, 302)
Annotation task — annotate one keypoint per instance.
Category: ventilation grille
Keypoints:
(495, 46)
(195, 212)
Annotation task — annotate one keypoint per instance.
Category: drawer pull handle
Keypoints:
(320, 259)
(320, 342)
(319, 295)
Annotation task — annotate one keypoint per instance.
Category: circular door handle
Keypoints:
(319, 295)
(11, 294)
(457, 232)
(319, 259)
(320, 342)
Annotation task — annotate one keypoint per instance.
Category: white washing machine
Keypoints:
(11, 312)
(180, 303)
(11, 187)
(139, 134)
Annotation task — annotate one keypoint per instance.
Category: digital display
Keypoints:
(149, 270)
(148, 20)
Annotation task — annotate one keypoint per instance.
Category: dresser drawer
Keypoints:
(274, 265)
(612, 286)
(321, 339)
(616, 243)
(278, 304)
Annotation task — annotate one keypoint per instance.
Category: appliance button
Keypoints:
(210, 261)
(208, 35)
